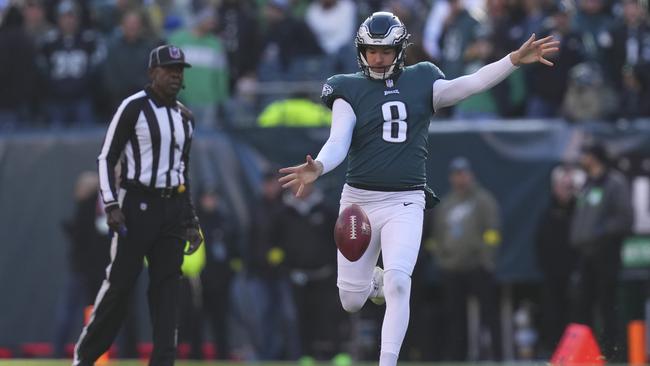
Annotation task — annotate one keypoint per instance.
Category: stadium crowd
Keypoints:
(72, 62)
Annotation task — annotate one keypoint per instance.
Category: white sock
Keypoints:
(397, 290)
(387, 359)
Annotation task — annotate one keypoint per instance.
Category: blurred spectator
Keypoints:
(334, 23)
(85, 17)
(601, 220)
(467, 235)
(482, 105)
(296, 111)
(222, 260)
(182, 12)
(467, 45)
(593, 22)
(629, 60)
(109, 14)
(411, 13)
(556, 258)
(437, 21)
(460, 29)
(17, 71)
(285, 39)
(69, 59)
(276, 324)
(88, 257)
(190, 324)
(547, 85)
(298, 7)
(36, 23)
(504, 32)
(533, 16)
(125, 69)
(433, 28)
(587, 98)
(312, 270)
(206, 83)
(244, 106)
(238, 28)
(503, 23)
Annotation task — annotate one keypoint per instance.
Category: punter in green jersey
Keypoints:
(392, 120)
(380, 118)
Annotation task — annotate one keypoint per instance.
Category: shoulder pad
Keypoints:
(431, 69)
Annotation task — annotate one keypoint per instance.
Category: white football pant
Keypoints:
(396, 220)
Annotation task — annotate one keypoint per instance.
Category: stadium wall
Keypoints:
(38, 172)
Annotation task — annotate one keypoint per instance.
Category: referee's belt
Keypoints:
(167, 192)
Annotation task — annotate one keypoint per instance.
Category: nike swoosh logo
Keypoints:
(408, 203)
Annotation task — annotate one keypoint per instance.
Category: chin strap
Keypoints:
(378, 75)
(382, 75)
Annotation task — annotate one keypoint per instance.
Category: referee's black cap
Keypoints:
(167, 55)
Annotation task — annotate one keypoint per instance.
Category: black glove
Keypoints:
(115, 219)
(194, 238)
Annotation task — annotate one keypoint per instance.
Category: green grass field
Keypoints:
(142, 363)
(41, 362)
(27, 362)
(214, 363)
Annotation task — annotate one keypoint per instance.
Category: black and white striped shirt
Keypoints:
(154, 139)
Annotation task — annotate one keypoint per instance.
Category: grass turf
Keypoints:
(41, 362)
(33, 362)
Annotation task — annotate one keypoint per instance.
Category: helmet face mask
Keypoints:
(382, 29)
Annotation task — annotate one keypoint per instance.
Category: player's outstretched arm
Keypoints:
(331, 154)
(535, 51)
(301, 175)
(450, 92)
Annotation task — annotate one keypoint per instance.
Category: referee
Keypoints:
(151, 215)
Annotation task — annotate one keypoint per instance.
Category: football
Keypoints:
(352, 232)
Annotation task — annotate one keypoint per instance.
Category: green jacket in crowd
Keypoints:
(207, 80)
(467, 231)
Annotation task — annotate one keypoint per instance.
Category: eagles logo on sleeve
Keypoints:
(327, 90)
(332, 89)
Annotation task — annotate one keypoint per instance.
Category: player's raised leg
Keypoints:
(354, 278)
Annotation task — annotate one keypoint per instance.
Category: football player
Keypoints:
(380, 120)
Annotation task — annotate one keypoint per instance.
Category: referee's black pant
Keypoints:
(155, 231)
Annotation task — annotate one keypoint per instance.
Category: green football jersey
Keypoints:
(389, 142)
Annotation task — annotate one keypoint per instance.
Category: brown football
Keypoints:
(352, 232)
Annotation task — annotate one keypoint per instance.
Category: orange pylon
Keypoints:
(578, 346)
(103, 359)
(636, 343)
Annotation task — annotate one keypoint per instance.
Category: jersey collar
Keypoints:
(159, 102)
